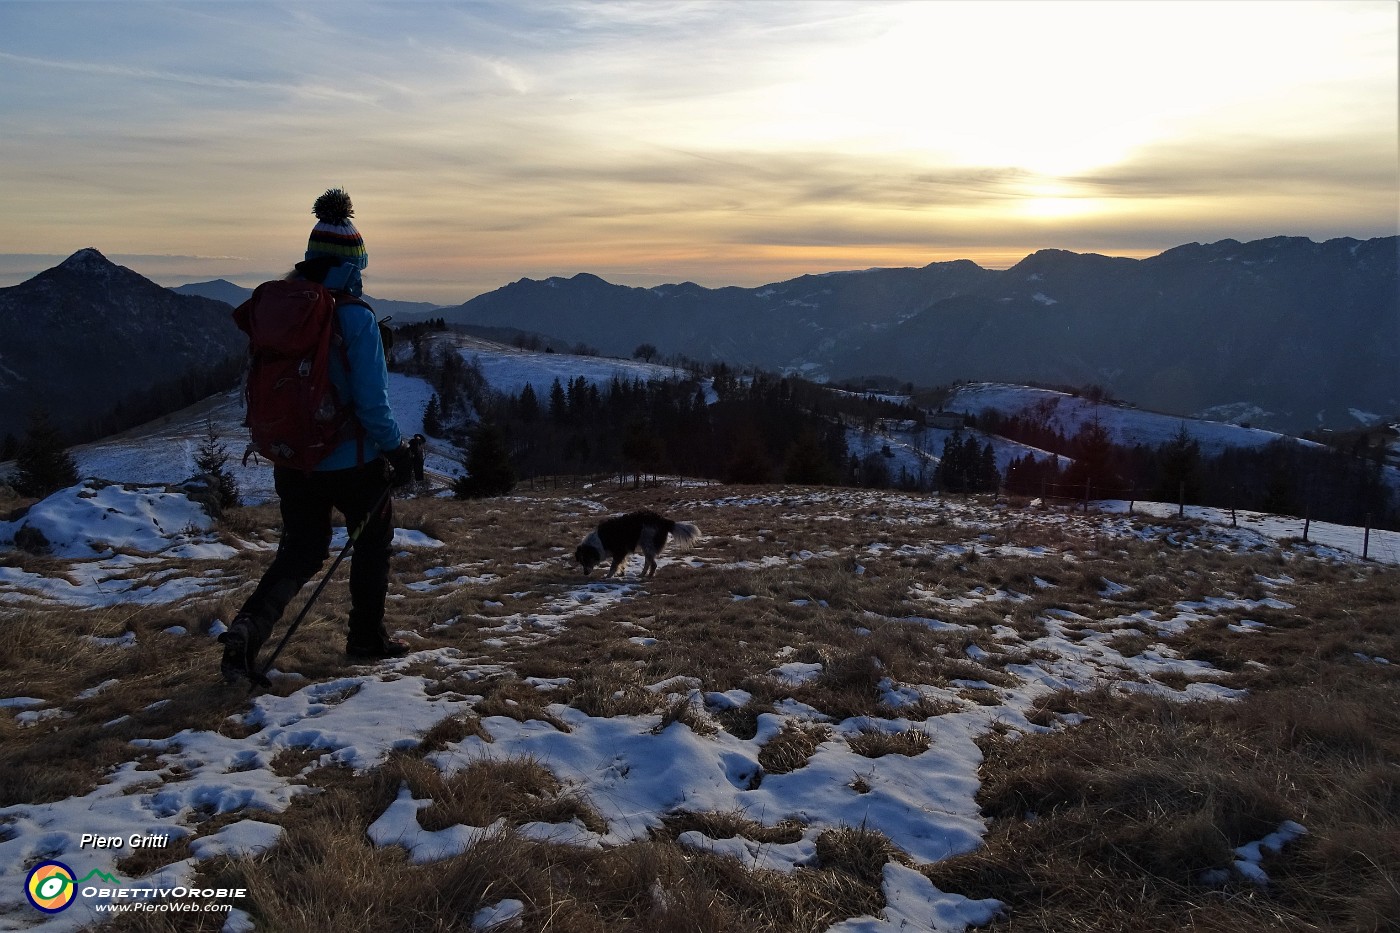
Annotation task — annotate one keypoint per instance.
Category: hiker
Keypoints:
(350, 470)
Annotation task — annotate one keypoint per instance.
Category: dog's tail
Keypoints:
(685, 532)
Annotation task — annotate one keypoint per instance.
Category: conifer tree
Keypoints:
(432, 417)
(970, 462)
(577, 451)
(748, 458)
(489, 471)
(528, 407)
(807, 462)
(988, 477)
(642, 450)
(874, 471)
(1181, 466)
(558, 403)
(1092, 449)
(43, 463)
(950, 466)
(212, 459)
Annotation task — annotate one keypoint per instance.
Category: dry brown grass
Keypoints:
(517, 700)
(1129, 807)
(792, 747)
(859, 852)
(727, 825)
(690, 714)
(327, 875)
(1132, 806)
(873, 743)
(153, 690)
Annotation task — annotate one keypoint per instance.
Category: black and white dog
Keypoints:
(620, 536)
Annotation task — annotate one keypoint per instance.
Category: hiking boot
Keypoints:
(376, 647)
(240, 660)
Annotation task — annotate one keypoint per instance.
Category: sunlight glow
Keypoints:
(1072, 87)
(726, 143)
(1051, 200)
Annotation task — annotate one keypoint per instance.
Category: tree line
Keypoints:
(759, 428)
(753, 430)
(1284, 477)
(748, 426)
(710, 421)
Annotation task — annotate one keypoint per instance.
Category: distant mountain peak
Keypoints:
(84, 260)
(587, 278)
(86, 267)
(1063, 259)
(88, 335)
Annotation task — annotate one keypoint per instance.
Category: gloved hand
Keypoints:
(415, 450)
(400, 465)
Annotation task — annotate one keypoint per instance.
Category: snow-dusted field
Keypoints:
(509, 370)
(138, 546)
(1126, 426)
(911, 448)
(1380, 546)
(135, 544)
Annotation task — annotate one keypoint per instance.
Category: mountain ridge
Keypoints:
(234, 295)
(1301, 331)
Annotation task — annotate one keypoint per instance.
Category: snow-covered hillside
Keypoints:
(911, 448)
(509, 370)
(164, 450)
(1126, 426)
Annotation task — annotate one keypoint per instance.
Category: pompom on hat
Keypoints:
(334, 235)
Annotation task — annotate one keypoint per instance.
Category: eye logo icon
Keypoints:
(50, 886)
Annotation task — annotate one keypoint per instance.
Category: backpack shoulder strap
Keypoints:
(345, 298)
(338, 341)
(386, 334)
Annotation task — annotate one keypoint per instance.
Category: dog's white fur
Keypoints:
(622, 535)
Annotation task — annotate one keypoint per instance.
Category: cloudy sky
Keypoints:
(739, 142)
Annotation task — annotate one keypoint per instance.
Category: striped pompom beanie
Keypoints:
(334, 235)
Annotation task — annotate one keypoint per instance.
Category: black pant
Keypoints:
(306, 502)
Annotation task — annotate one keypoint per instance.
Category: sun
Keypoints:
(918, 89)
(1054, 201)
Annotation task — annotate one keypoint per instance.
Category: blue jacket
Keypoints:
(366, 386)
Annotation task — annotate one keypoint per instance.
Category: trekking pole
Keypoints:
(350, 542)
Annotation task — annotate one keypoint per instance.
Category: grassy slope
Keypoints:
(1103, 825)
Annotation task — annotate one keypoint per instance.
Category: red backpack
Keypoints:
(295, 416)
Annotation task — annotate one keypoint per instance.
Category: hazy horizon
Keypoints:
(135, 263)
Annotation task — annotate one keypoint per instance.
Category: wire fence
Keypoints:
(1363, 539)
